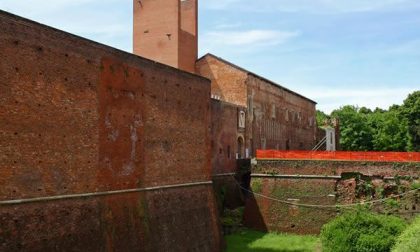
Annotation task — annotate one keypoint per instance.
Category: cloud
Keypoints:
(243, 42)
(313, 6)
(250, 37)
(227, 25)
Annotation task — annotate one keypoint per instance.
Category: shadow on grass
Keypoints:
(249, 240)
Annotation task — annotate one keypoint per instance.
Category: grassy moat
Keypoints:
(355, 231)
(249, 240)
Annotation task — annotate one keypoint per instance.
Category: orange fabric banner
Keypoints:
(340, 155)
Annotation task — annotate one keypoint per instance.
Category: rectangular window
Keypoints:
(241, 120)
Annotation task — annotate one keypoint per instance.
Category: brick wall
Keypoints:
(157, 39)
(188, 49)
(170, 40)
(331, 168)
(227, 81)
(224, 135)
(276, 118)
(279, 119)
(80, 117)
(349, 182)
(268, 215)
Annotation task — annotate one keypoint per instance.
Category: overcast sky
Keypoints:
(336, 52)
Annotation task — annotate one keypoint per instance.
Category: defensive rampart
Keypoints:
(100, 150)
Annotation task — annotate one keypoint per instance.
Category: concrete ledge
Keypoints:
(97, 194)
(256, 175)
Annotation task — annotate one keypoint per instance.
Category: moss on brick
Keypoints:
(256, 185)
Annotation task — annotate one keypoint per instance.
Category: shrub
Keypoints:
(361, 231)
(232, 217)
(409, 240)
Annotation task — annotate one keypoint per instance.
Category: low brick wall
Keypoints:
(331, 168)
(324, 183)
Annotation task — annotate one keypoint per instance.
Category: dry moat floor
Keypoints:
(249, 240)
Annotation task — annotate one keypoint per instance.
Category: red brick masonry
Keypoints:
(79, 117)
(321, 178)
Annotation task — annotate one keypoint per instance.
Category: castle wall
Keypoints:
(227, 82)
(79, 117)
(327, 183)
(277, 118)
(224, 134)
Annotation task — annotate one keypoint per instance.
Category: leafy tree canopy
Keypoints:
(395, 129)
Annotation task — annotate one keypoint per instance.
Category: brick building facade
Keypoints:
(269, 116)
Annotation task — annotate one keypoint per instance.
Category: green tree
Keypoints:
(364, 110)
(396, 129)
(389, 131)
(321, 118)
(410, 111)
(356, 134)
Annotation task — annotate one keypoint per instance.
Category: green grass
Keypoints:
(409, 240)
(248, 240)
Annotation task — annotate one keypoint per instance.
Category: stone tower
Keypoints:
(166, 31)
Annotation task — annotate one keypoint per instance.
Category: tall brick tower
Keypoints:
(166, 31)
